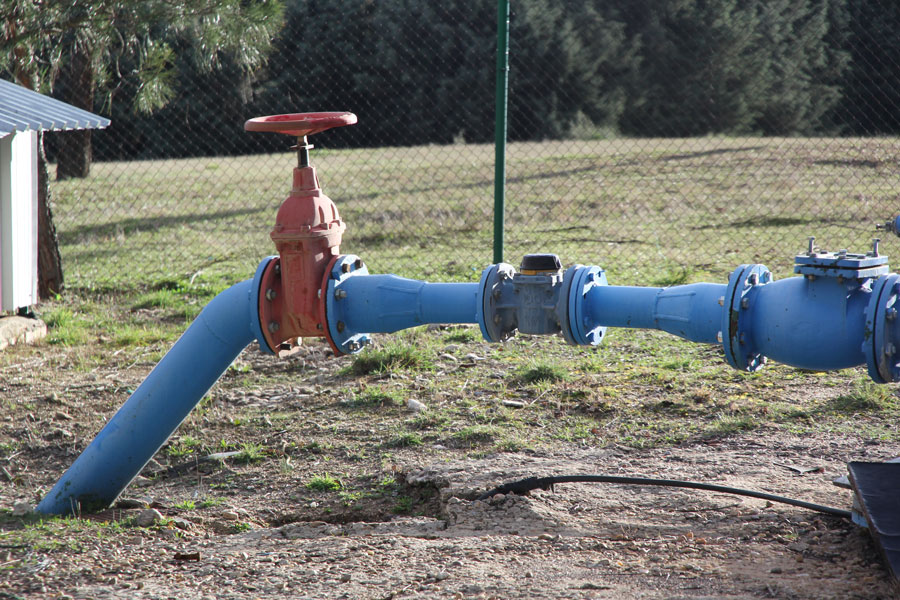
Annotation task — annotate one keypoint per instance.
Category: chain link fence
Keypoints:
(662, 140)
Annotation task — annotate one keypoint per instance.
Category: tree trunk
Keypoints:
(77, 82)
(50, 274)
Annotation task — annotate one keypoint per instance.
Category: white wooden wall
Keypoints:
(18, 220)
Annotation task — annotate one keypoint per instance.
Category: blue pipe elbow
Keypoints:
(155, 410)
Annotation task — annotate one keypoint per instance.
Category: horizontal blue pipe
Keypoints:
(817, 325)
(688, 311)
(387, 303)
(158, 406)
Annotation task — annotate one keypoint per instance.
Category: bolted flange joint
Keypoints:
(882, 330)
(578, 327)
(334, 311)
(737, 321)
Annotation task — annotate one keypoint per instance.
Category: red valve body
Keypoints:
(307, 234)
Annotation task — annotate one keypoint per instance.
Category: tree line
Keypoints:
(422, 72)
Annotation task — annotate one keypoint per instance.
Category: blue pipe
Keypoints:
(388, 303)
(689, 311)
(817, 325)
(159, 405)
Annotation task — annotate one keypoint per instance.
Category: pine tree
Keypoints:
(872, 86)
(701, 67)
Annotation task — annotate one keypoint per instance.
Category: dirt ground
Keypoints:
(405, 524)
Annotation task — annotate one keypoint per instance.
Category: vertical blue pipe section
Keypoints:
(387, 303)
(689, 311)
(159, 405)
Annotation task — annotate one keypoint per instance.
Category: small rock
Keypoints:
(152, 466)
(415, 405)
(514, 403)
(775, 570)
(345, 577)
(451, 347)
(148, 517)
(473, 357)
(229, 515)
(181, 523)
(449, 357)
(20, 509)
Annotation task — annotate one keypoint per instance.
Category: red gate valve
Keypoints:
(307, 234)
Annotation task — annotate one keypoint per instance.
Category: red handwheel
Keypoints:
(300, 124)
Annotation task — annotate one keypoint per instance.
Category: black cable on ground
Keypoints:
(523, 486)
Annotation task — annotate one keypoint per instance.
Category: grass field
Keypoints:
(642, 209)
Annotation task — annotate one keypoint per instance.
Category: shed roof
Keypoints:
(22, 109)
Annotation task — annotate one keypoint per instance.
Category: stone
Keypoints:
(21, 330)
(20, 509)
(415, 405)
(148, 517)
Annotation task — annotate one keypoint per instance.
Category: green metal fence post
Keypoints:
(500, 125)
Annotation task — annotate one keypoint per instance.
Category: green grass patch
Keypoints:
(393, 357)
(65, 327)
(541, 372)
(466, 335)
(864, 397)
(250, 453)
(324, 483)
(406, 439)
(375, 397)
(475, 435)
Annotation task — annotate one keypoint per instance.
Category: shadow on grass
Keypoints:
(128, 226)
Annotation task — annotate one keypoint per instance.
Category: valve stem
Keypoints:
(303, 147)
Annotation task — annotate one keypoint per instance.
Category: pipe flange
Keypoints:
(341, 339)
(881, 344)
(737, 338)
(264, 279)
(496, 324)
(578, 328)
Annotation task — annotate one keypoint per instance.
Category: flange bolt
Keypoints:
(891, 314)
(270, 294)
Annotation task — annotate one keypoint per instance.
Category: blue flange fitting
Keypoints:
(737, 330)
(882, 330)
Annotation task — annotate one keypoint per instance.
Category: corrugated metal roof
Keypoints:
(22, 109)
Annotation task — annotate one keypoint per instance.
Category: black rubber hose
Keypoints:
(523, 486)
